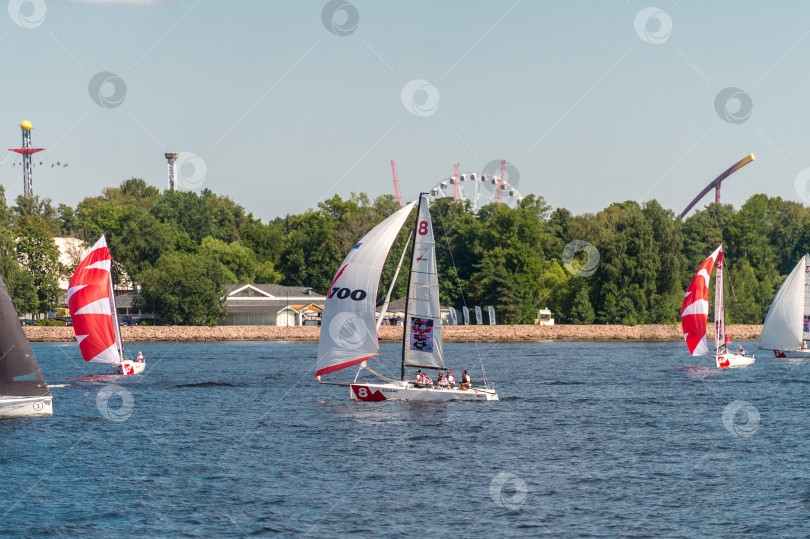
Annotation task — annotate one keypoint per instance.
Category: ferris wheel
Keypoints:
(480, 188)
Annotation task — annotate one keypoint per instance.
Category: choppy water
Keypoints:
(236, 439)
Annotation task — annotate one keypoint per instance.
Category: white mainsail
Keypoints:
(348, 325)
(423, 345)
(785, 323)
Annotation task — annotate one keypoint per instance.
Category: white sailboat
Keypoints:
(23, 391)
(695, 315)
(349, 325)
(787, 325)
(91, 302)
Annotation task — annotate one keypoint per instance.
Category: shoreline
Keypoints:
(561, 333)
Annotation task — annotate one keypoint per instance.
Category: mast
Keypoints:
(407, 294)
(806, 313)
(719, 306)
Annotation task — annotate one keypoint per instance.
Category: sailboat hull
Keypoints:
(130, 367)
(394, 391)
(796, 354)
(25, 406)
(734, 360)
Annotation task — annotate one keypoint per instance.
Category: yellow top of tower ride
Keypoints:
(26, 125)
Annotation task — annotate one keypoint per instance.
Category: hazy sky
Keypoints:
(287, 103)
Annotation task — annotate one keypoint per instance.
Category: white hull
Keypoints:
(734, 360)
(25, 406)
(127, 367)
(402, 391)
(801, 354)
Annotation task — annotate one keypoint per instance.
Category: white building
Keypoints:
(272, 305)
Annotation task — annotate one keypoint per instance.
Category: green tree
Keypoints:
(184, 289)
(132, 192)
(39, 207)
(495, 286)
(40, 258)
(581, 311)
(187, 212)
(240, 262)
(143, 239)
(69, 224)
(20, 284)
(5, 211)
(742, 293)
(97, 216)
(626, 277)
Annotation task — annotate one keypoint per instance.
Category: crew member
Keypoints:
(140, 355)
(465, 381)
(451, 380)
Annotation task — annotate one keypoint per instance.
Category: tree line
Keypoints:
(627, 264)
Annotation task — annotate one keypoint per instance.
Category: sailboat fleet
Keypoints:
(348, 334)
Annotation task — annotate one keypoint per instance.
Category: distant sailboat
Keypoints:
(695, 315)
(787, 325)
(23, 391)
(349, 329)
(91, 302)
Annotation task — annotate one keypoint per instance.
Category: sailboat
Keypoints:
(787, 324)
(695, 315)
(91, 302)
(349, 324)
(23, 391)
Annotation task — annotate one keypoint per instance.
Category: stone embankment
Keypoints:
(388, 333)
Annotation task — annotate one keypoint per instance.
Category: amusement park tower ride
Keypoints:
(26, 151)
(171, 158)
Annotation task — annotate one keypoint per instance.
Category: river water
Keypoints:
(237, 439)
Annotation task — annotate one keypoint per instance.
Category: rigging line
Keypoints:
(384, 309)
(380, 375)
(463, 296)
(453, 260)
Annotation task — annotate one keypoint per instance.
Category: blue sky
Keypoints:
(589, 105)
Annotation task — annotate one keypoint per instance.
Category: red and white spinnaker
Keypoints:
(92, 311)
(695, 308)
(91, 302)
(695, 315)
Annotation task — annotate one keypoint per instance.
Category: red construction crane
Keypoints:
(397, 192)
(456, 186)
(499, 189)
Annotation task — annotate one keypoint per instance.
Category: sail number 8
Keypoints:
(423, 228)
(343, 293)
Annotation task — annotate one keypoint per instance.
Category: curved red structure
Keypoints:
(717, 181)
